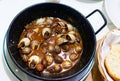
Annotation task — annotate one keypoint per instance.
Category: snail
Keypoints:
(24, 42)
(46, 33)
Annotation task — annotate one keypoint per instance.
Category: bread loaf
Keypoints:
(112, 62)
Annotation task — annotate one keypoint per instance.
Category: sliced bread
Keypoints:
(112, 62)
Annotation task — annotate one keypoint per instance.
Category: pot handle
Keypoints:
(105, 20)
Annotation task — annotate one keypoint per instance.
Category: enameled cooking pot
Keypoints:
(68, 14)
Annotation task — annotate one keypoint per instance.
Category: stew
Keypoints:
(50, 45)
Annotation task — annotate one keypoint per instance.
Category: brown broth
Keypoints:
(54, 37)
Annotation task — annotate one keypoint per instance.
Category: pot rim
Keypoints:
(43, 78)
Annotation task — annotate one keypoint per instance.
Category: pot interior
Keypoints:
(52, 10)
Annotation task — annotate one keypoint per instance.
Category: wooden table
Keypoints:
(95, 74)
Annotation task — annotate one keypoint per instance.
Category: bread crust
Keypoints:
(112, 62)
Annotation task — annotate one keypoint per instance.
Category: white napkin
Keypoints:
(111, 38)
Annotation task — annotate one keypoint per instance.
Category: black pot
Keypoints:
(66, 13)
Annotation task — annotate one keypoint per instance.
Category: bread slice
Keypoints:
(112, 62)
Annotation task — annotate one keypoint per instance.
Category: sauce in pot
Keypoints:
(50, 45)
